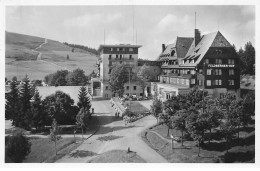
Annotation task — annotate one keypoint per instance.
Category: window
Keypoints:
(187, 82)
(208, 82)
(218, 61)
(231, 61)
(231, 82)
(168, 96)
(174, 80)
(192, 81)
(109, 72)
(201, 71)
(206, 61)
(182, 81)
(110, 63)
(218, 71)
(106, 87)
(134, 87)
(127, 87)
(131, 49)
(120, 56)
(110, 56)
(130, 56)
(111, 49)
(123, 49)
(116, 56)
(218, 82)
(208, 71)
(200, 82)
(231, 72)
(117, 49)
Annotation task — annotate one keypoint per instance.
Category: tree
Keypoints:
(227, 130)
(12, 105)
(247, 57)
(212, 114)
(26, 95)
(54, 134)
(82, 119)
(17, 147)
(38, 115)
(84, 100)
(77, 78)
(197, 124)
(119, 76)
(14, 78)
(144, 75)
(57, 79)
(156, 108)
(61, 107)
(179, 122)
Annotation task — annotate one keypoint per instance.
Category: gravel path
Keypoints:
(123, 137)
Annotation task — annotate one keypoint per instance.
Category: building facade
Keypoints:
(209, 62)
(111, 55)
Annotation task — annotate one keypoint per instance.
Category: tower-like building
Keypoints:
(111, 55)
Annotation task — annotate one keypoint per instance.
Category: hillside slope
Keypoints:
(21, 57)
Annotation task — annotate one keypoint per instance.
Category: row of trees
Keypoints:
(27, 110)
(120, 75)
(86, 48)
(247, 59)
(195, 115)
(65, 78)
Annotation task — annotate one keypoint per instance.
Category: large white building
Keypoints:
(111, 55)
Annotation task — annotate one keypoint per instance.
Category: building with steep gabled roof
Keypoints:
(208, 61)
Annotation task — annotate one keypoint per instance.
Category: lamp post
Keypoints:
(204, 73)
(129, 90)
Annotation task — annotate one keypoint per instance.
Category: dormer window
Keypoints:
(172, 52)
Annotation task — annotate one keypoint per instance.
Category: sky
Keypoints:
(153, 25)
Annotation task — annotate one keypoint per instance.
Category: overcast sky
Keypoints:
(154, 24)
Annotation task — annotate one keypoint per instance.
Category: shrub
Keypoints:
(17, 148)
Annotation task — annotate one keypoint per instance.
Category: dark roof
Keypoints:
(182, 45)
(214, 39)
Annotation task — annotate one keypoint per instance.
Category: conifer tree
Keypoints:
(38, 114)
(84, 101)
(12, 106)
(25, 114)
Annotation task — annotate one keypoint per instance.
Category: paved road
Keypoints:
(126, 136)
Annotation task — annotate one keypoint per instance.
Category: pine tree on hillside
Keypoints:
(25, 97)
(12, 103)
(84, 100)
(38, 114)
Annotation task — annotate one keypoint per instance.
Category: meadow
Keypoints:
(21, 60)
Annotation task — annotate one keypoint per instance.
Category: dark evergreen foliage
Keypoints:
(17, 147)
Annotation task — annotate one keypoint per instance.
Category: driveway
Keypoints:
(123, 137)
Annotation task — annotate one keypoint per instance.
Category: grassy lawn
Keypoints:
(118, 156)
(135, 106)
(241, 150)
(42, 150)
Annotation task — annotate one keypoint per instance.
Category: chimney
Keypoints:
(197, 36)
(163, 47)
